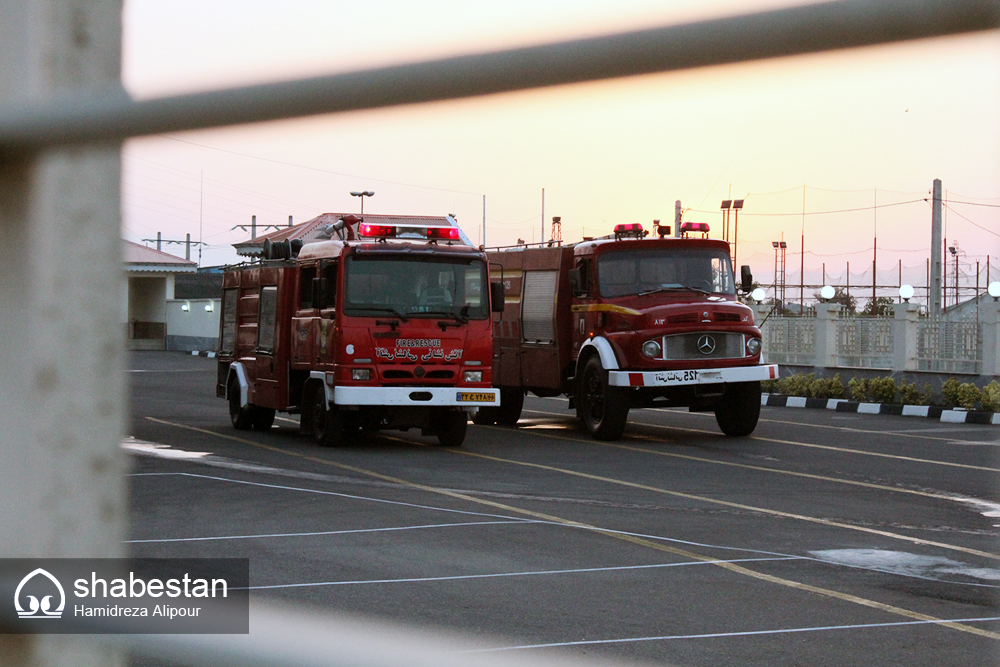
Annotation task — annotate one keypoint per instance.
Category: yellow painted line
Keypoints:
(726, 503)
(732, 567)
(845, 450)
(792, 473)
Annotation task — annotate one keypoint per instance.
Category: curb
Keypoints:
(958, 416)
(202, 353)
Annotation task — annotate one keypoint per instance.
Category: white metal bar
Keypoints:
(806, 29)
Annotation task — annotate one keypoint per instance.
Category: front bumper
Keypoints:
(417, 396)
(693, 376)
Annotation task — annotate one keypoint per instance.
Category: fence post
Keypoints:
(760, 312)
(990, 318)
(62, 393)
(825, 344)
(904, 336)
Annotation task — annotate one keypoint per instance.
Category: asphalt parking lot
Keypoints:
(823, 539)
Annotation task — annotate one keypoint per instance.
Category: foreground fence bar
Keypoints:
(61, 356)
(110, 114)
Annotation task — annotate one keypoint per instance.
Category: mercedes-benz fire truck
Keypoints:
(624, 322)
(374, 327)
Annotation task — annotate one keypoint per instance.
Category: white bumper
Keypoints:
(417, 396)
(695, 376)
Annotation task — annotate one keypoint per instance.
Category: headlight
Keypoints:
(472, 376)
(361, 374)
(651, 349)
(753, 347)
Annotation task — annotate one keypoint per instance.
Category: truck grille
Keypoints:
(702, 345)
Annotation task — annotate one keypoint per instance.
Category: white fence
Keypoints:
(904, 342)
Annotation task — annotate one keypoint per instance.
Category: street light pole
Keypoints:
(363, 194)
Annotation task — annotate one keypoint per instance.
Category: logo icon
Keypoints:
(36, 608)
(706, 344)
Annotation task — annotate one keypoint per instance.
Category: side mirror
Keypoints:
(496, 297)
(746, 279)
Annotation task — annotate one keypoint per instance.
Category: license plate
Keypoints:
(473, 397)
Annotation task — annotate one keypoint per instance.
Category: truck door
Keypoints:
(305, 322)
(266, 393)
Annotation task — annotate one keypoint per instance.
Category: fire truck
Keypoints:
(372, 327)
(628, 321)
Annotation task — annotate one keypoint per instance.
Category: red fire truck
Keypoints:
(374, 327)
(625, 322)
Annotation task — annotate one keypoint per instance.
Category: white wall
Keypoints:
(196, 321)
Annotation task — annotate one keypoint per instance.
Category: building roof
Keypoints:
(308, 230)
(140, 258)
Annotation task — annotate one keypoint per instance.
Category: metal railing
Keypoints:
(106, 116)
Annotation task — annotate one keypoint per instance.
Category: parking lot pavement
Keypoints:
(823, 539)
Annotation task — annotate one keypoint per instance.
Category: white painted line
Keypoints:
(763, 398)
(339, 495)
(831, 404)
(514, 574)
(796, 402)
(869, 408)
(750, 633)
(146, 448)
(953, 416)
(327, 532)
(915, 410)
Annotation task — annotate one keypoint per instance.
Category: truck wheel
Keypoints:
(739, 410)
(326, 425)
(241, 416)
(452, 428)
(511, 404)
(603, 409)
(263, 418)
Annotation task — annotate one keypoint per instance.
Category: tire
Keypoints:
(452, 428)
(262, 418)
(240, 415)
(739, 410)
(511, 404)
(325, 424)
(602, 408)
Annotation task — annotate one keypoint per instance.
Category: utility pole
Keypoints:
(936, 267)
(187, 243)
(677, 218)
(542, 239)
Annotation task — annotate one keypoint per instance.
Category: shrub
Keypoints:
(797, 385)
(910, 395)
(968, 395)
(827, 388)
(991, 397)
(949, 392)
(882, 390)
(859, 389)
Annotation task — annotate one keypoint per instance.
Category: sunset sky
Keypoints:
(833, 135)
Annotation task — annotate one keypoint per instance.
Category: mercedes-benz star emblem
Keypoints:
(706, 344)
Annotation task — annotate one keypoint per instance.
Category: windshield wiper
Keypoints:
(386, 309)
(460, 316)
(674, 288)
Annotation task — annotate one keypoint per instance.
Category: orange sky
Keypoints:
(847, 130)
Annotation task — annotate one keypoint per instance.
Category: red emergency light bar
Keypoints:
(391, 231)
(629, 229)
(446, 233)
(694, 227)
(377, 230)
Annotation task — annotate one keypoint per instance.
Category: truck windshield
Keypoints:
(621, 273)
(416, 287)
